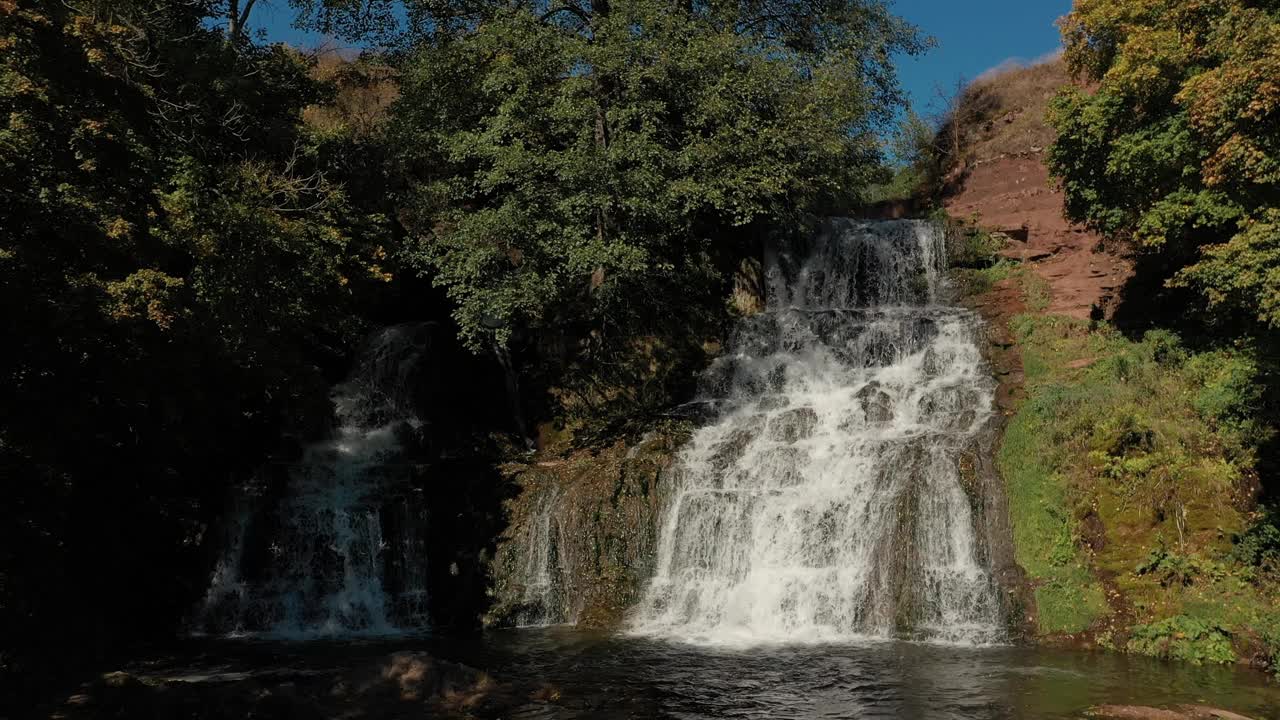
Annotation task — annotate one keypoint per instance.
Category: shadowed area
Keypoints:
(569, 674)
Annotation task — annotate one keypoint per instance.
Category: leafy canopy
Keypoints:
(1179, 147)
(177, 257)
(588, 164)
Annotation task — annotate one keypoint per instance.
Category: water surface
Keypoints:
(613, 677)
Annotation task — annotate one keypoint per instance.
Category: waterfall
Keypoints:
(334, 544)
(542, 573)
(824, 500)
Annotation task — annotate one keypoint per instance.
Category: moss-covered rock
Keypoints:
(582, 533)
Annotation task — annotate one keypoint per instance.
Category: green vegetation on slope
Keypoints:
(1136, 463)
(1130, 467)
(1163, 447)
(1045, 532)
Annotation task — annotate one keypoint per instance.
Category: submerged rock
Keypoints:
(1179, 712)
(400, 685)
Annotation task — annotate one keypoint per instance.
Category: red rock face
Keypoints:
(1015, 194)
(1003, 183)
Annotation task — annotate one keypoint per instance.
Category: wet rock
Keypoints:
(777, 379)
(773, 402)
(730, 450)
(1180, 712)
(887, 340)
(698, 411)
(756, 336)
(962, 420)
(601, 510)
(416, 676)
(950, 408)
(784, 465)
(948, 400)
(750, 378)
(793, 425)
(718, 378)
(876, 404)
(407, 684)
(933, 364)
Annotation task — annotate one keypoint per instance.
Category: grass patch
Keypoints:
(1046, 538)
(976, 281)
(1035, 289)
(1135, 458)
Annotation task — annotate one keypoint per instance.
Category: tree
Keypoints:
(177, 261)
(1178, 149)
(589, 161)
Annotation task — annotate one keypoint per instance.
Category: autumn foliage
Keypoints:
(1179, 147)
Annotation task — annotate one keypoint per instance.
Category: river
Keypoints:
(584, 674)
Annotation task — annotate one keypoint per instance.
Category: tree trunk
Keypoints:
(237, 18)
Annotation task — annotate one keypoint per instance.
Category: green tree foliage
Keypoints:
(593, 172)
(586, 162)
(590, 161)
(1178, 148)
(175, 259)
(916, 172)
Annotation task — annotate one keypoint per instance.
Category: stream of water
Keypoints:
(823, 554)
(824, 502)
(333, 545)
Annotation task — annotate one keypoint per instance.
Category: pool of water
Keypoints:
(594, 675)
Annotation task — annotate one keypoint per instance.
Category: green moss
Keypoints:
(1070, 601)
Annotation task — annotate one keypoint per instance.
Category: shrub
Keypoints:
(1259, 545)
(1183, 638)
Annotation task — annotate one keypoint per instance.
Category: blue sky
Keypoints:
(973, 36)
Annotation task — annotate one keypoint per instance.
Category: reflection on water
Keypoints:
(608, 677)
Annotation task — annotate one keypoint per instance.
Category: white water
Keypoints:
(824, 503)
(542, 570)
(334, 545)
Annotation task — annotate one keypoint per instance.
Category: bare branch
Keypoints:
(572, 9)
(244, 16)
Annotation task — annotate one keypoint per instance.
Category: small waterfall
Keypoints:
(542, 573)
(334, 544)
(824, 501)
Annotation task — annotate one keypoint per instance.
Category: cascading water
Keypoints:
(542, 572)
(334, 544)
(824, 502)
